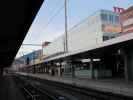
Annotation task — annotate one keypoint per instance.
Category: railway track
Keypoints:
(32, 92)
(60, 91)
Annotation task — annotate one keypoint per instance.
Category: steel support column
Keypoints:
(124, 54)
(91, 68)
(125, 67)
(60, 65)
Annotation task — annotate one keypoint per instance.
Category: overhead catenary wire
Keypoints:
(31, 44)
(49, 21)
(55, 7)
(52, 17)
(54, 14)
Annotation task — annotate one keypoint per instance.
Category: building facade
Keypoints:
(100, 26)
(126, 18)
(26, 60)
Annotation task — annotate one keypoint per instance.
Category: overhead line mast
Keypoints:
(66, 32)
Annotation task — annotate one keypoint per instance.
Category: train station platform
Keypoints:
(9, 90)
(115, 86)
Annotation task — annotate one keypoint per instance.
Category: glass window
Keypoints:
(112, 37)
(116, 19)
(111, 18)
(105, 38)
(104, 17)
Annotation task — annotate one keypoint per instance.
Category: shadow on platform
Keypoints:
(8, 89)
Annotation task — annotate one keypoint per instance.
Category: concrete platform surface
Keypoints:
(117, 86)
(8, 89)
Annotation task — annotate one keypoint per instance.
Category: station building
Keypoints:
(26, 60)
(126, 18)
(94, 30)
(96, 49)
(99, 27)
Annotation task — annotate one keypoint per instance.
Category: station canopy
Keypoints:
(16, 17)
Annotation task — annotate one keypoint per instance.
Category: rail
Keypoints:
(76, 92)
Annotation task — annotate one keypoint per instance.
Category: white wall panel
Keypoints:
(55, 47)
(88, 33)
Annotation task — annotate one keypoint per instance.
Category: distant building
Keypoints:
(126, 18)
(26, 60)
(100, 26)
(110, 24)
(30, 57)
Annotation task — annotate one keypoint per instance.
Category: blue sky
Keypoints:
(77, 11)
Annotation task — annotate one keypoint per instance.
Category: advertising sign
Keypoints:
(111, 29)
(118, 9)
